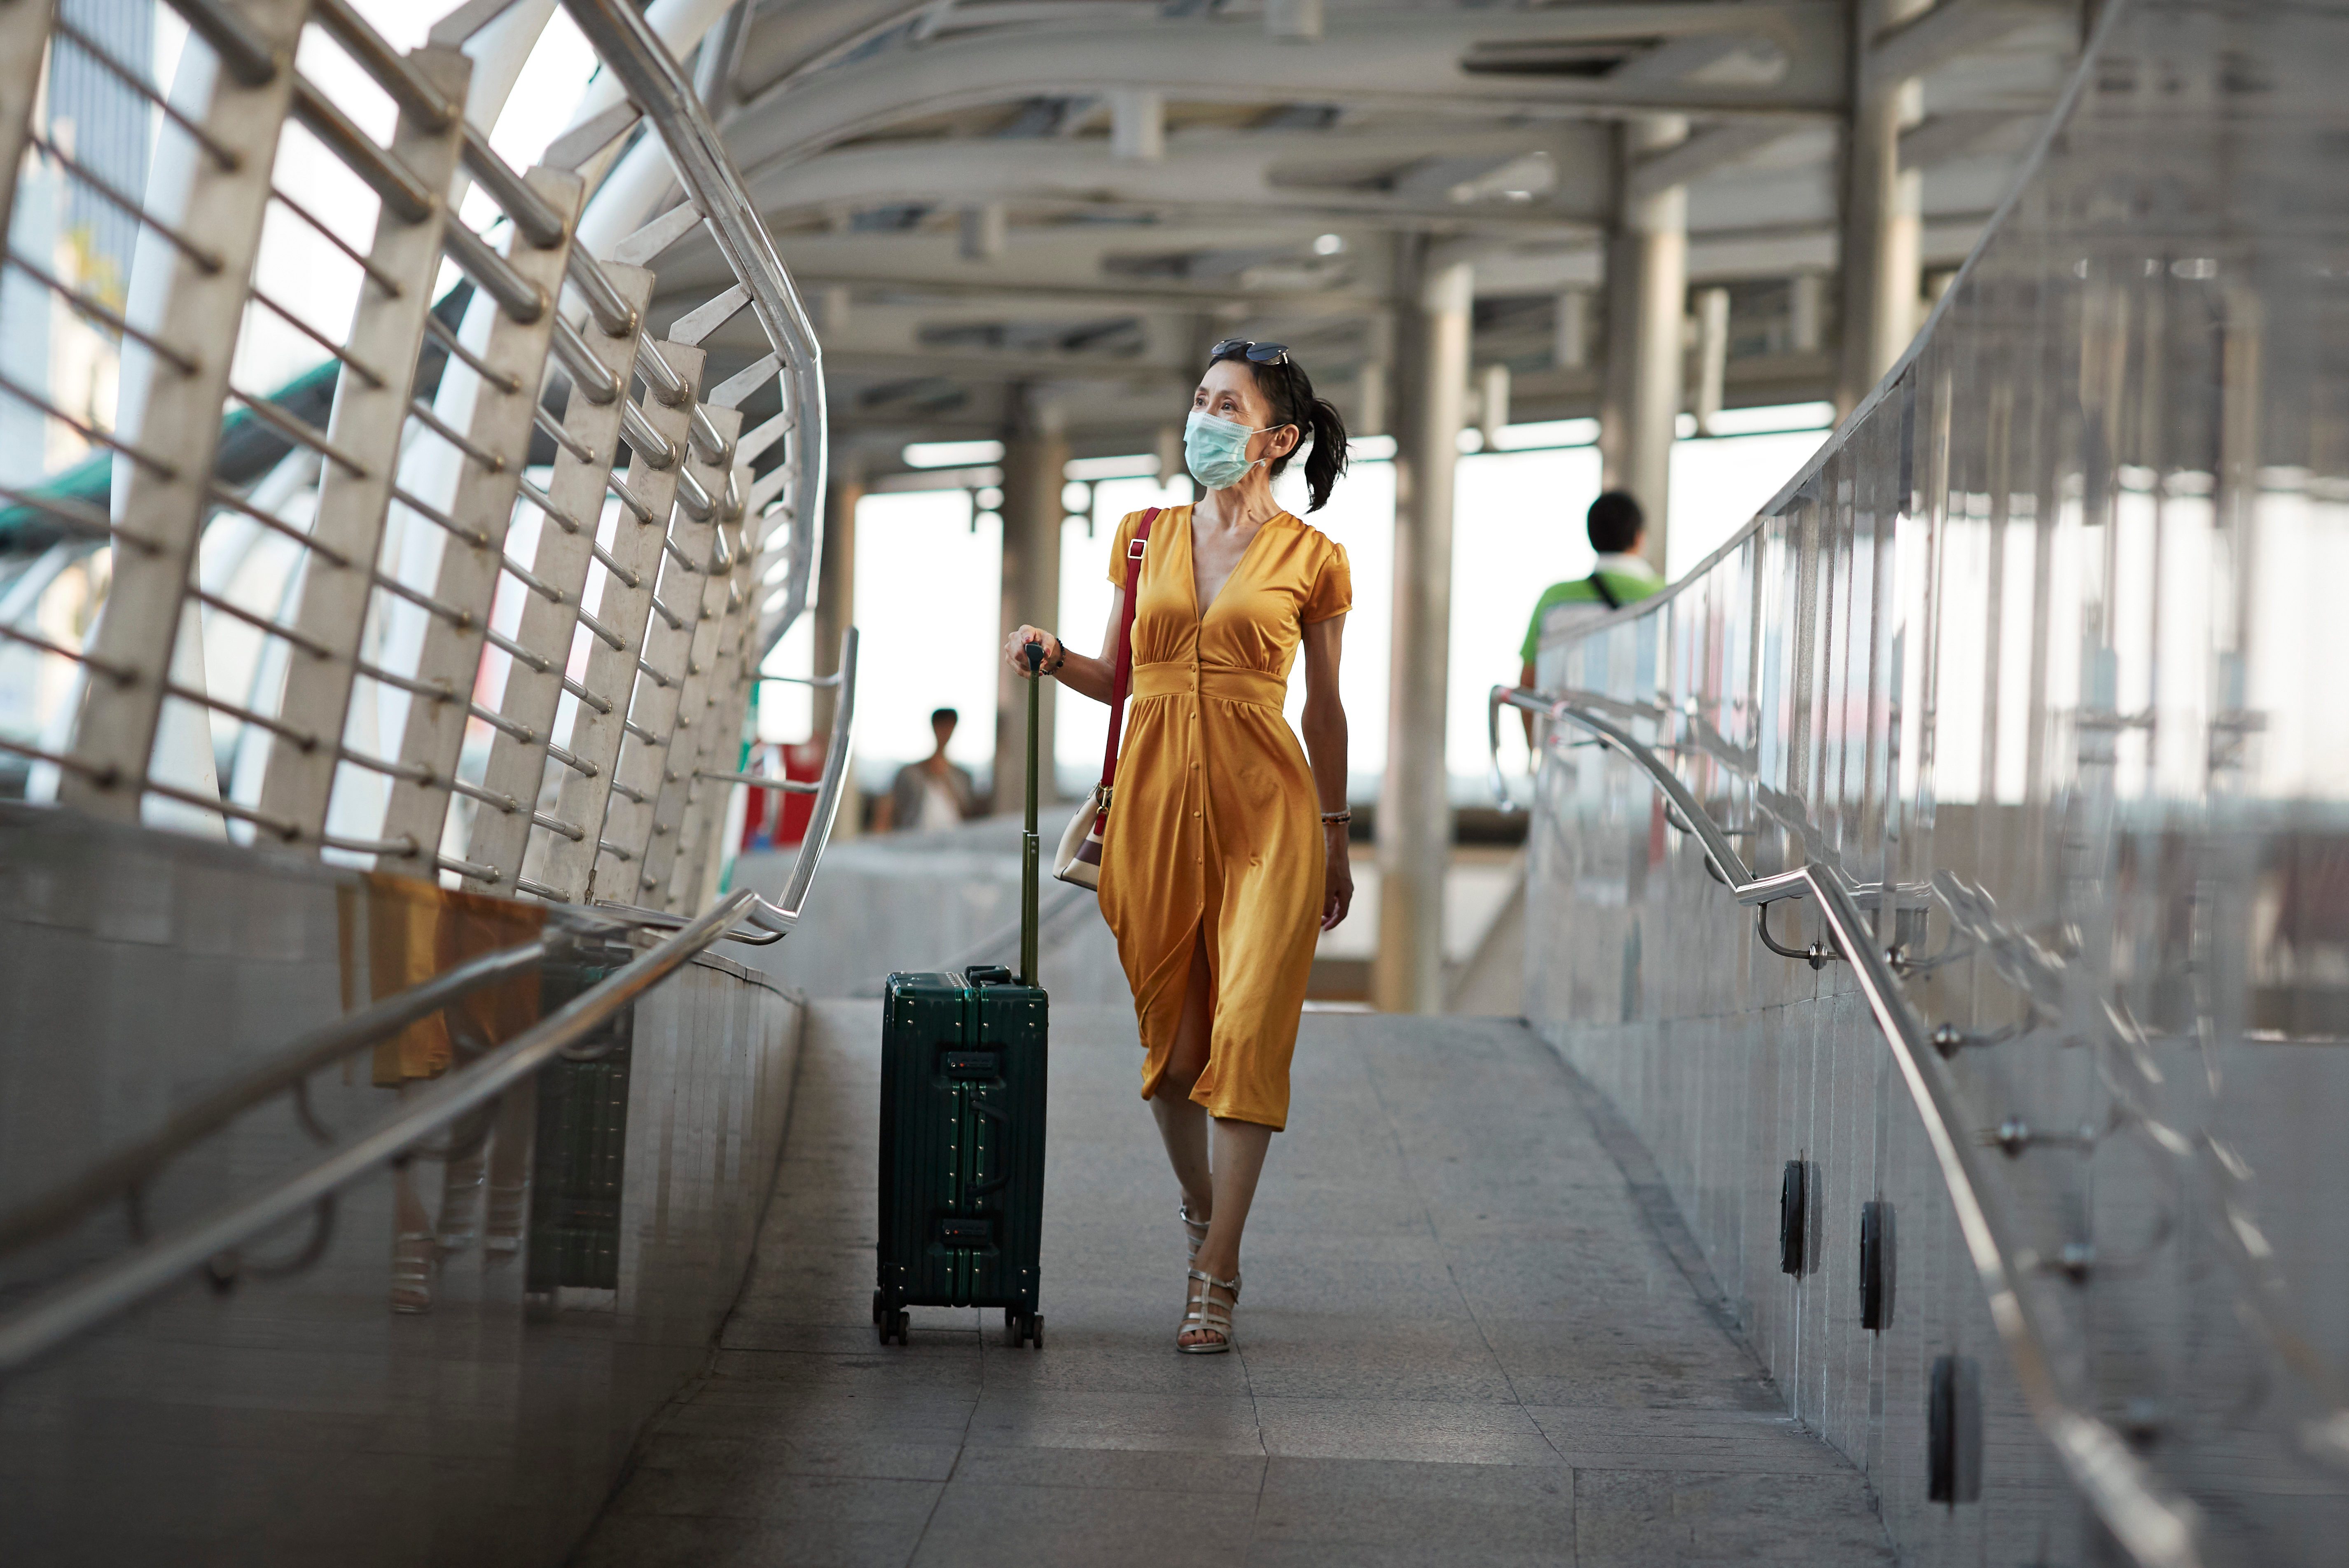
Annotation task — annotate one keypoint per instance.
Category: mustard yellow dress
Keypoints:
(1215, 833)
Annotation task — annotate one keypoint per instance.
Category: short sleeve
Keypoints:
(1125, 527)
(1532, 625)
(1332, 593)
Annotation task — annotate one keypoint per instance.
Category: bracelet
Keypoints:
(1335, 819)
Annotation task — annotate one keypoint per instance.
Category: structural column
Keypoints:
(1415, 818)
(1883, 229)
(835, 596)
(1035, 467)
(1647, 284)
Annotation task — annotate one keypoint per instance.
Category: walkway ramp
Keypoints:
(1467, 1336)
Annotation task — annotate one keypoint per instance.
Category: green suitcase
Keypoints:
(963, 1079)
(962, 1148)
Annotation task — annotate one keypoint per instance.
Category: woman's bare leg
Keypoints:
(1239, 1150)
(1182, 1122)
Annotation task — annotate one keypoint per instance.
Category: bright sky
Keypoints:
(298, 268)
(925, 592)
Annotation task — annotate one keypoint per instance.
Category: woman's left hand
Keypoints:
(1337, 878)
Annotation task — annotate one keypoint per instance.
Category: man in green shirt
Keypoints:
(1617, 528)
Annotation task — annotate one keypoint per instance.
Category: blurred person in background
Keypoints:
(1622, 576)
(931, 794)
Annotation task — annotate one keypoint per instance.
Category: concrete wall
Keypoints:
(301, 1419)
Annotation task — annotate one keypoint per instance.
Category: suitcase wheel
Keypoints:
(1036, 1332)
(1019, 1328)
(877, 1309)
(895, 1326)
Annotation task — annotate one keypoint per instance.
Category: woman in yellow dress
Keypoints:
(1225, 853)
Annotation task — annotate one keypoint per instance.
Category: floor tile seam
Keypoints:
(962, 1445)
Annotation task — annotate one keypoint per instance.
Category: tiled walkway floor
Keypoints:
(1460, 1343)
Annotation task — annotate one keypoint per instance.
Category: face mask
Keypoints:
(1215, 450)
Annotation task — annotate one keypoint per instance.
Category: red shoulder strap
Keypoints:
(1123, 679)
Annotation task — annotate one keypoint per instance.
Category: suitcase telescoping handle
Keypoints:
(1028, 846)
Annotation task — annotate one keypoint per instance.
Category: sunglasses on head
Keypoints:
(1258, 353)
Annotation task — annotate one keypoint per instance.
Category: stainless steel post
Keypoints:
(467, 580)
(179, 427)
(368, 421)
(596, 733)
(703, 599)
(563, 559)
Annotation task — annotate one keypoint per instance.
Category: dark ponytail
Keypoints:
(1291, 392)
(1327, 460)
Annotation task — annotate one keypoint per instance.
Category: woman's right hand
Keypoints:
(1014, 649)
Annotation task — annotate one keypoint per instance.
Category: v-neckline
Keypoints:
(1191, 566)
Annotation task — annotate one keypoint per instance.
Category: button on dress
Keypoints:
(1214, 832)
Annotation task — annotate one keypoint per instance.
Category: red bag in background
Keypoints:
(772, 819)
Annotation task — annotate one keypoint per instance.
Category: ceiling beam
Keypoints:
(784, 40)
(1940, 138)
(1054, 259)
(1207, 170)
(1701, 154)
(1413, 60)
(1722, 256)
(1933, 38)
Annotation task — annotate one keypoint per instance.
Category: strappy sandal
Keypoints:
(1207, 1315)
(1195, 1231)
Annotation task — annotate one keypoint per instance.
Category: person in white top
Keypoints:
(931, 794)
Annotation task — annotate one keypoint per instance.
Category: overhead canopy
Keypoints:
(1073, 197)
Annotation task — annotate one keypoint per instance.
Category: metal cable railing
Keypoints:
(2019, 652)
(479, 599)
(608, 781)
(2156, 1527)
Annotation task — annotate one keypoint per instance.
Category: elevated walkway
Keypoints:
(1473, 1332)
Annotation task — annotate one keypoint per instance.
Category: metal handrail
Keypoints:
(131, 1169)
(80, 1305)
(2154, 1527)
(668, 920)
(762, 781)
(651, 78)
(827, 801)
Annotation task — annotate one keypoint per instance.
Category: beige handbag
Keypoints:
(1078, 858)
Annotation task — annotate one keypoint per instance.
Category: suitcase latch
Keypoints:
(967, 1066)
(966, 1234)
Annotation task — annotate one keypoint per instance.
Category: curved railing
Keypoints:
(426, 534)
(2010, 686)
(2157, 1528)
(481, 598)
